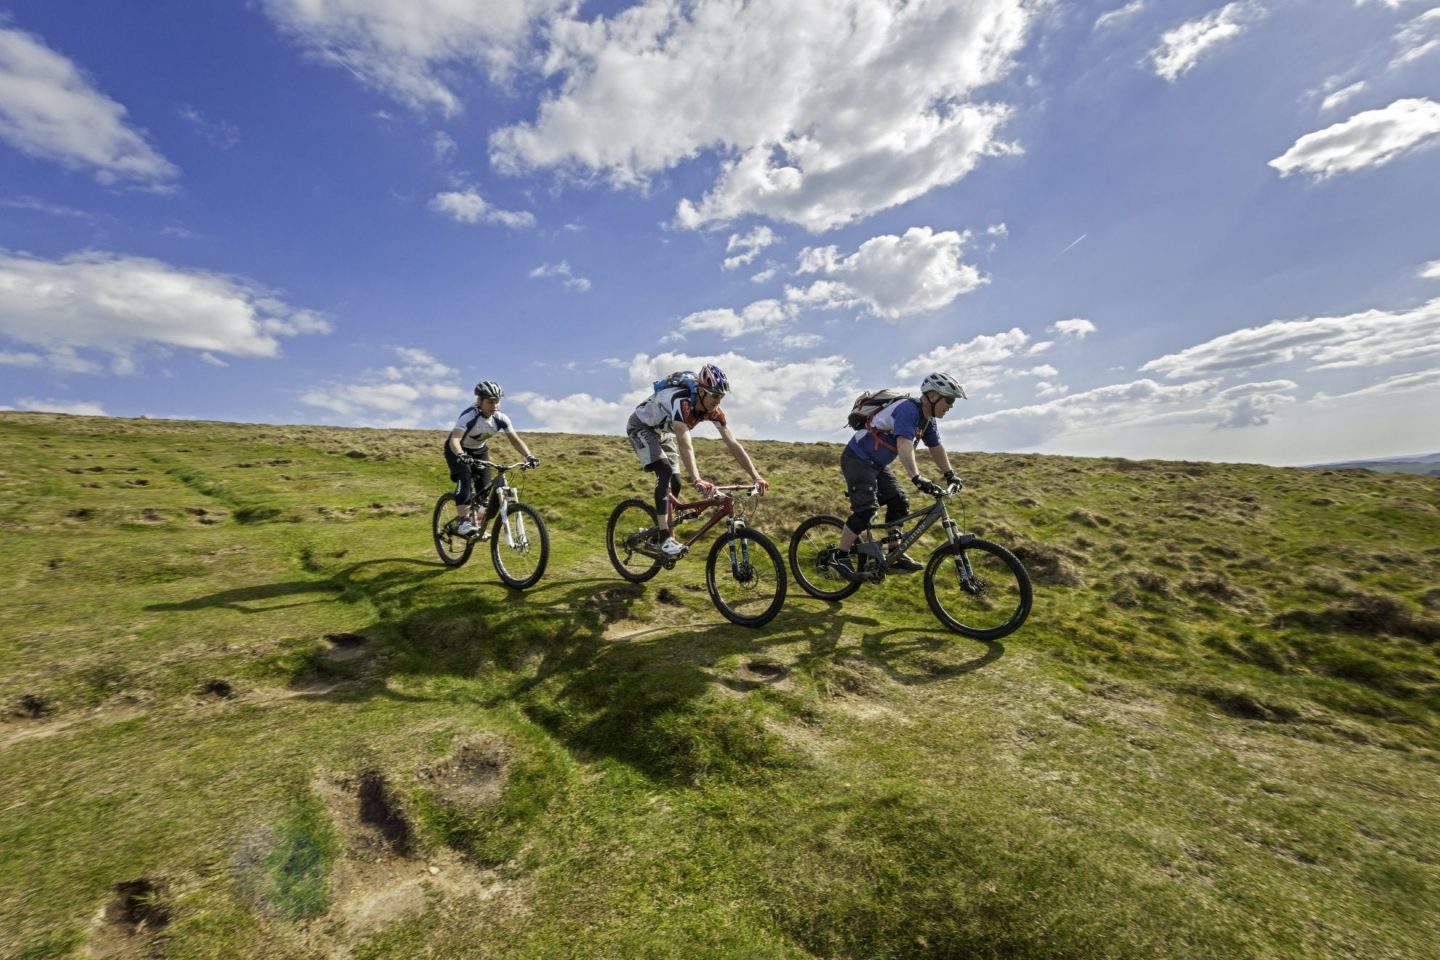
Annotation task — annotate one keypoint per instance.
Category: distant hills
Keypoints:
(1427, 464)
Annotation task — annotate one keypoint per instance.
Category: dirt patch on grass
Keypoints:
(1371, 613)
(1049, 565)
(129, 922)
(29, 706)
(473, 776)
(215, 689)
(380, 814)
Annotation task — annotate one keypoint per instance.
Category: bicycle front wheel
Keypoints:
(520, 546)
(453, 548)
(630, 525)
(811, 547)
(746, 577)
(978, 589)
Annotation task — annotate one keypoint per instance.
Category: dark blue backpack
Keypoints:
(680, 378)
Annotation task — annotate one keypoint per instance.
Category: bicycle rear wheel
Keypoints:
(813, 543)
(631, 524)
(520, 546)
(746, 577)
(453, 548)
(978, 589)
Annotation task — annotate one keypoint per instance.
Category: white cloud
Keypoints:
(113, 303)
(576, 413)
(748, 246)
(1074, 329)
(1181, 48)
(220, 133)
(976, 363)
(1126, 406)
(1401, 383)
(563, 271)
(895, 276)
(20, 359)
(800, 341)
(420, 391)
(50, 109)
(411, 49)
(82, 408)
(1365, 339)
(467, 206)
(1368, 139)
(873, 103)
(1118, 15)
(761, 391)
(1417, 38)
(1340, 96)
(762, 316)
(1431, 270)
(444, 146)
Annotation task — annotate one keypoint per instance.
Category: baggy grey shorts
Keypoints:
(650, 444)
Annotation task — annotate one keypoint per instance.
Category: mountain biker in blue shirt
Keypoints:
(891, 435)
(470, 440)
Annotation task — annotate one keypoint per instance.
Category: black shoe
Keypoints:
(840, 563)
(904, 564)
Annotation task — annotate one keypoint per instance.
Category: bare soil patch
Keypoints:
(128, 924)
(473, 776)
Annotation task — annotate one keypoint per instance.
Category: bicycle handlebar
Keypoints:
(752, 489)
(520, 465)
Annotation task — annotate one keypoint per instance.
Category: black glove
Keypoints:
(925, 485)
(532, 461)
(952, 480)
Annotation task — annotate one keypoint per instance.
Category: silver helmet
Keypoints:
(943, 384)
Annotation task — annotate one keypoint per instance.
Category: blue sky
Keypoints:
(1149, 229)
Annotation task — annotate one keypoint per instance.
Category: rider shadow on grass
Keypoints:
(679, 701)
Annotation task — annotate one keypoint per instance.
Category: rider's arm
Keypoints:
(905, 448)
(942, 461)
(738, 452)
(517, 443)
(687, 452)
(454, 442)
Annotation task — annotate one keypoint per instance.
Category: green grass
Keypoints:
(234, 669)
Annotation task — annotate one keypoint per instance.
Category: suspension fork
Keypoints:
(958, 541)
(505, 492)
(736, 525)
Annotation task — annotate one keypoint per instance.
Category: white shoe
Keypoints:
(672, 547)
(466, 528)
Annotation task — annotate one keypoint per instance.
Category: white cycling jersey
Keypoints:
(663, 407)
(478, 430)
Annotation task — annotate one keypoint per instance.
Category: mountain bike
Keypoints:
(975, 587)
(519, 543)
(743, 573)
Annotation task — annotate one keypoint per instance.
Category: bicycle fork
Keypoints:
(740, 563)
(969, 582)
(513, 536)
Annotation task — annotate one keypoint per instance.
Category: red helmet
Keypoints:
(713, 380)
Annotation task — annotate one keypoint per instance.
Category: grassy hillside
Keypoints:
(248, 714)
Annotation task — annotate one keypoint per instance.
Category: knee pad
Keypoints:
(860, 519)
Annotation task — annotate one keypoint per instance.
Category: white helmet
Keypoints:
(943, 384)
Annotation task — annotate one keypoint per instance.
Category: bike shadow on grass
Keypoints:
(338, 587)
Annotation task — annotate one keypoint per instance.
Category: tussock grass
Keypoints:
(234, 672)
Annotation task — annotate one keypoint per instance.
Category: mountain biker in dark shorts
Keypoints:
(891, 435)
(659, 433)
(471, 438)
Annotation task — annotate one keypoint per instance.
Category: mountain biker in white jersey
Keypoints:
(659, 432)
(891, 435)
(471, 440)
